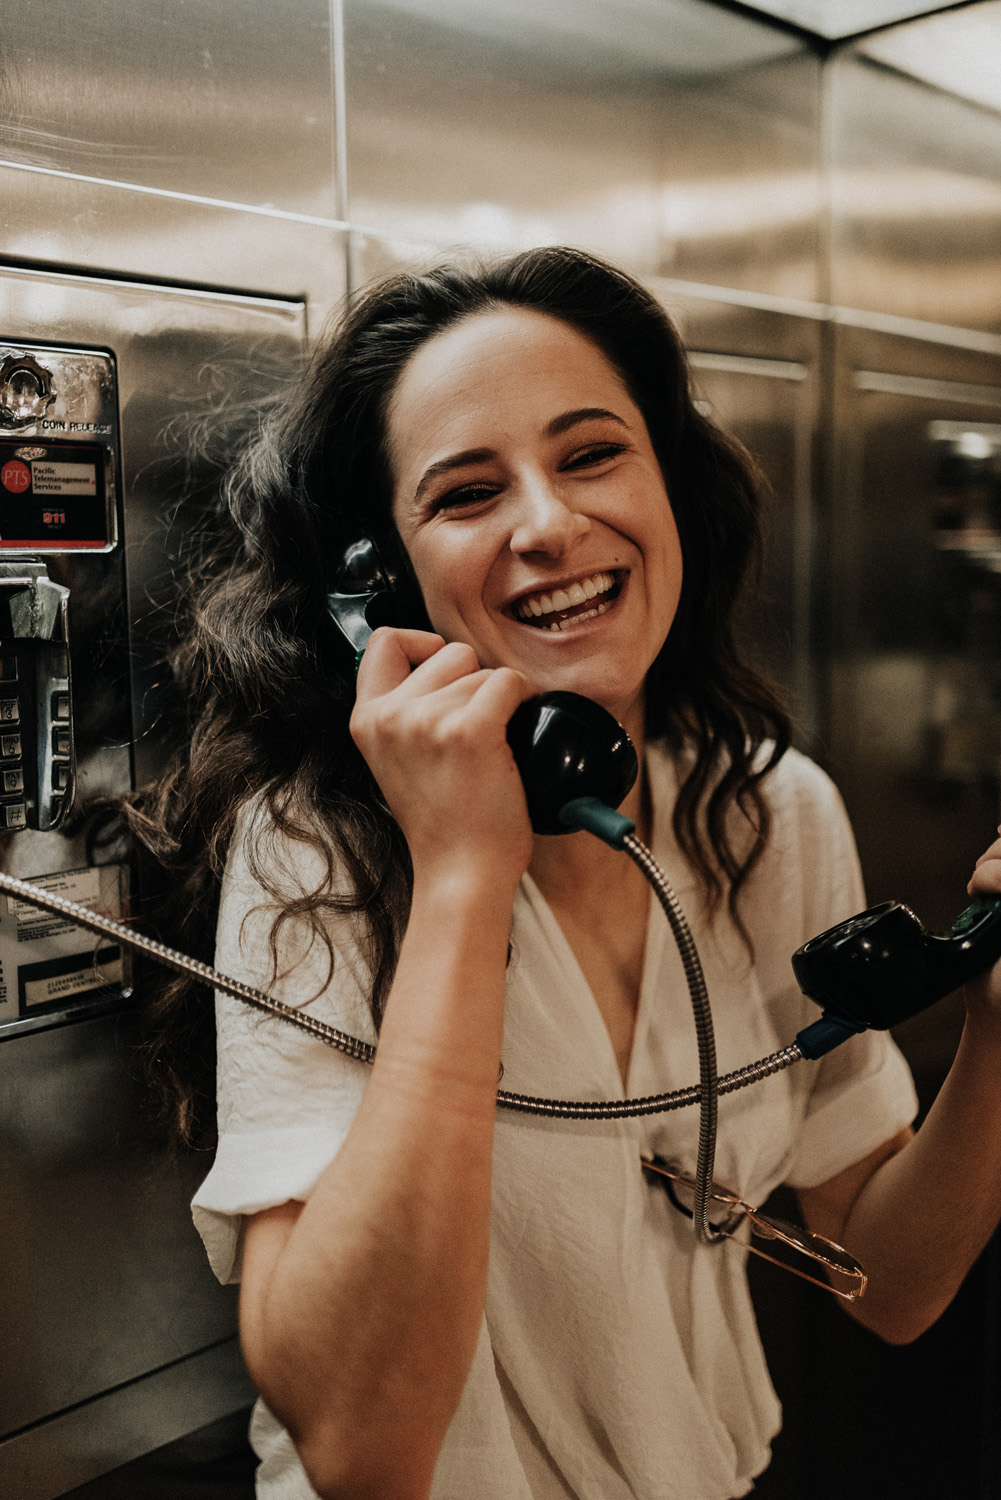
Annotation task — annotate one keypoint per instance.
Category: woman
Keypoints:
(438, 1299)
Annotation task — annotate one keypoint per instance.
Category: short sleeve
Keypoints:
(862, 1093)
(285, 1099)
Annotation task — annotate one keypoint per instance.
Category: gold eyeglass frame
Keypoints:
(768, 1228)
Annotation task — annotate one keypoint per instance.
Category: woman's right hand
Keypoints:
(431, 723)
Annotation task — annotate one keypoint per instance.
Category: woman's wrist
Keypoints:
(464, 882)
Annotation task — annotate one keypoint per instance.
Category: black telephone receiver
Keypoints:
(882, 967)
(565, 746)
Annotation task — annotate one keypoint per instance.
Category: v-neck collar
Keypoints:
(661, 771)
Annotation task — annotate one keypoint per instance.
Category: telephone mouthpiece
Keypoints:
(567, 747)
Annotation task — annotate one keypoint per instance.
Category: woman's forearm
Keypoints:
(923, 1218)
(360, 1314)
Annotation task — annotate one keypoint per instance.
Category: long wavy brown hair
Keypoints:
(268, 692)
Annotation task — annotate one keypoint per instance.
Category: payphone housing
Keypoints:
(59, 487)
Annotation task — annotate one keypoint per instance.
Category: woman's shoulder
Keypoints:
(798, 786)
(289, 857)
(794, 787)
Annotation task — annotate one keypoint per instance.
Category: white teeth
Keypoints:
(535, 605)
(599, 609)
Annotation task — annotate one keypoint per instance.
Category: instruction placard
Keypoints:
(48, 964)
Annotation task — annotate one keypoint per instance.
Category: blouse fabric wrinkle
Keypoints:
(617, 1359)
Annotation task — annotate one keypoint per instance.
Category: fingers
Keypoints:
(986, 879)
(426, 663)
(403, 670)
(390, 657)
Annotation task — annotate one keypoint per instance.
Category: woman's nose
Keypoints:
(544, 522)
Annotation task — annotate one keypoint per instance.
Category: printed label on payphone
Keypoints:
(48, 965)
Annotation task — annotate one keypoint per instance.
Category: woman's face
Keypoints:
(530, 501)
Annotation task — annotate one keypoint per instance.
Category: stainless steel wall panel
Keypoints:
(712, 323)
(914, 649)
(226, 99)
(915, 197)
(105, 1280)
(88, 1441)
(565, 124)
(63, 221)
(771, 407)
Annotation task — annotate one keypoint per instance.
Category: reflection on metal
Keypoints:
(742, 364)
(915, 197)
(262, 210)
(840, 18)
(750, 397)
(916, 612)
(957, 52)
(25, 390)
(927, 389)
(81, 1444)
(669, 38)
(561, 144)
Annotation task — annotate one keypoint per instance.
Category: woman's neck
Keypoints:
(564, 862)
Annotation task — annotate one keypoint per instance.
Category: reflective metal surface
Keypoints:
(915, 612)
(687, 146)
(840, 18)
(770, 405)
(105, 1281)
(108, 90)
(194, 143)
(915, 196)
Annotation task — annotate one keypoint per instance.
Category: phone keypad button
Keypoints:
(13, 815)
(60, 741)
(10, 746)
(13, 781)
(8, 668)
(10, 711)
(60, 705)
(60, 775)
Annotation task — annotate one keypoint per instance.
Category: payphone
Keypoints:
(59, 494)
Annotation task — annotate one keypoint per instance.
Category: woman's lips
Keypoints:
(561, 607)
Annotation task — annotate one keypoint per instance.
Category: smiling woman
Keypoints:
(436, 1302)
(525, 475)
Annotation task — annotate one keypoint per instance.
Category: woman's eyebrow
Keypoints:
(569, 419)
(454, 461)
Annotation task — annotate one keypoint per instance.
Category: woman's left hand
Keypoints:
(983, 994)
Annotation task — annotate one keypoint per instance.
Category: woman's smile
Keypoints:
(532, 505)
(561, 605)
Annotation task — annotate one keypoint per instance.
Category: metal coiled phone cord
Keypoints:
(704, 1093)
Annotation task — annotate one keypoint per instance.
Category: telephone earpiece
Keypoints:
(565, 746)
(882, 967)
(368, 591)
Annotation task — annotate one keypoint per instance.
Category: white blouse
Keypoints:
(618, 1359)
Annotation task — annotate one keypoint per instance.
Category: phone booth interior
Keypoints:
(116, 1337)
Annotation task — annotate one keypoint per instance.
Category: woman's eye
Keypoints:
(465, 495)
(593, 455)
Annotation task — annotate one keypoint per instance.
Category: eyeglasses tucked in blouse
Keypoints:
(792, 1247)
